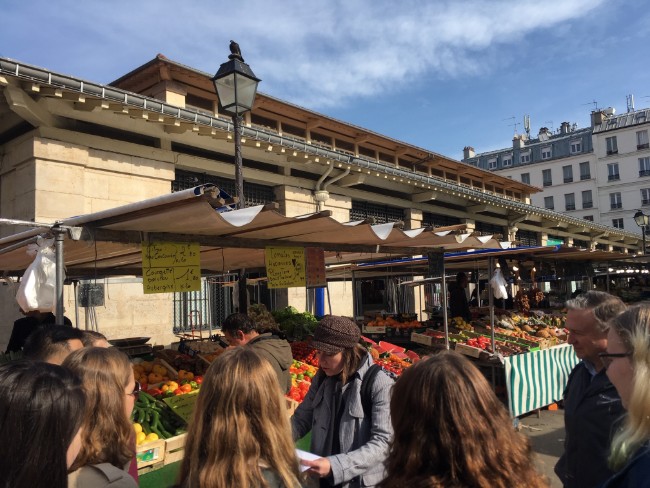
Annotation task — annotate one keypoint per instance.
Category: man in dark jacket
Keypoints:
(239, 330)
(591, 404)
(458, 305)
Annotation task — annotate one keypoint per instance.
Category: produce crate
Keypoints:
(470, 351)
(369, 329)
(426, 340)
(150, 453)
(174, 449)
(403, 331)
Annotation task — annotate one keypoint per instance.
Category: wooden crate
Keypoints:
(150, 453)
(174, 448)
(470, 351)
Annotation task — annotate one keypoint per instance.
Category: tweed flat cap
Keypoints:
(333, 334)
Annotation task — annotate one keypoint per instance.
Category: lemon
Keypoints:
(137, 428)
(152, 437)
(140, 438)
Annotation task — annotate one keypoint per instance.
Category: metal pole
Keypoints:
(58, 246)
(643, 235)
(239, 175)
(491, 302)
(443, 288)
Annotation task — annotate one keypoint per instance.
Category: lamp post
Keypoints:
(642, 220)
(236, 86)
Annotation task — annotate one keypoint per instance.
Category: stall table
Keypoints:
(537, 379)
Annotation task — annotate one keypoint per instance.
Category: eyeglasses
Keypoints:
(136, 390)
(606, 357)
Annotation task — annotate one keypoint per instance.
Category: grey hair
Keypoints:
(604, 306)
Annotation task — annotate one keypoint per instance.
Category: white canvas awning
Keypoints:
(111, 240)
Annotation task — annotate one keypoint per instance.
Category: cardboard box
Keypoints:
(150, 453)
(373, 329)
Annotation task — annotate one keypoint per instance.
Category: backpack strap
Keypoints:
(366, 389)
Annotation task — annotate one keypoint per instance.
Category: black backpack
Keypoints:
(366, 389)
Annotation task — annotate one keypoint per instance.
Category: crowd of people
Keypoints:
(64, 414)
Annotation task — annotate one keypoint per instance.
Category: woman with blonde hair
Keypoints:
(239, 434)
(627, 360)
(107, 445)
(451, 431)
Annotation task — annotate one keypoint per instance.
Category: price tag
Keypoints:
(183, 405)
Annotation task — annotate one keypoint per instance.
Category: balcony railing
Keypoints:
(548, 183)
(587, 204)
(614, 177)
(643, 146)
(614, 206)
(585, 177)
(570, 206)
(568, 180)
(644, 172)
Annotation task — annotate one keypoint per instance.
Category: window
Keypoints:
(567, 171)
(546, 152)
(569, 201)
(587, 201)
(612, 145)
(585, 172)
(546, 177)
(645, 196)
(617, 223)
(525, 178)
(642, 139)
(589, 218)
(507, 160)
(615, 200)
(644, 166)
(548, 203)
(524, 157)
(612, 172)
(492, 163)
(576, 147)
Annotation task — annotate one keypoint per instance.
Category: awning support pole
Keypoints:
(59, 236)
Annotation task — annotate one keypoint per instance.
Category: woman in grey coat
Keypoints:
(353, 443)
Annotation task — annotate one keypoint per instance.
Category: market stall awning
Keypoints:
(111, 240)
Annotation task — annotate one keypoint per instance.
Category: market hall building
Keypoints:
(71, 147)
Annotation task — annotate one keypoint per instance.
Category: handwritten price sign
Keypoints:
(171, 267)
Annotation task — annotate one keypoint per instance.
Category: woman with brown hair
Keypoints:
(239, 435)
(346, 409)
(107, 446)
(452, 431)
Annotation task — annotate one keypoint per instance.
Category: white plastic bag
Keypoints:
(498, 284)
(37, 290)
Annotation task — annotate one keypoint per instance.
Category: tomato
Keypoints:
(198, 379)
(154, 392)
(186, 388)
(178, 391)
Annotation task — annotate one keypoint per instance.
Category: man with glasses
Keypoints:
(591, 404)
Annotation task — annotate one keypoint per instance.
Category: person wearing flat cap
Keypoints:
(346, 409)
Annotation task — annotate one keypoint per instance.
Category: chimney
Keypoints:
(544, 134)
(518, 142)
(468, 152)
(597, 117)
(565, 128)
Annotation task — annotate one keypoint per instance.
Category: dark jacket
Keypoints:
(635, 474)
(363, 441)
(25, 326)
(458, 305)
(278, 352)
(592, 408)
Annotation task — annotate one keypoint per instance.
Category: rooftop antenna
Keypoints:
(629, 99)
(515, 124)
(527, 125)
(594, 103)
(550, 124)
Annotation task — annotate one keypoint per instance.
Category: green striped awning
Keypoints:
(537, 379)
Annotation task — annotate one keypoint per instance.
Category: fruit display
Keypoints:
(396, 322)
(181, 361)
(522, 302)
(301, 375)
(295, 324)
(302, 351)
(154, 420)
(460, 324)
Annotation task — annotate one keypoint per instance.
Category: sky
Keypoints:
(438, 74)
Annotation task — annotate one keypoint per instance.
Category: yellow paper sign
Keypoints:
(171, 267)
(183, 405)
(285, 267)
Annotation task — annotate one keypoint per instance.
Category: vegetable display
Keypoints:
(152, 416)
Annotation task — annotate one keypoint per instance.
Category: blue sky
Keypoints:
(439, 74)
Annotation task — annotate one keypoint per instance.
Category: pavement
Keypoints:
(546, 433)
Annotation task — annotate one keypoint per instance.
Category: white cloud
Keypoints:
(318, 53)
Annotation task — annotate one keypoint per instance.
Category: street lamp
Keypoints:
(236, 86)
(642, 220)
